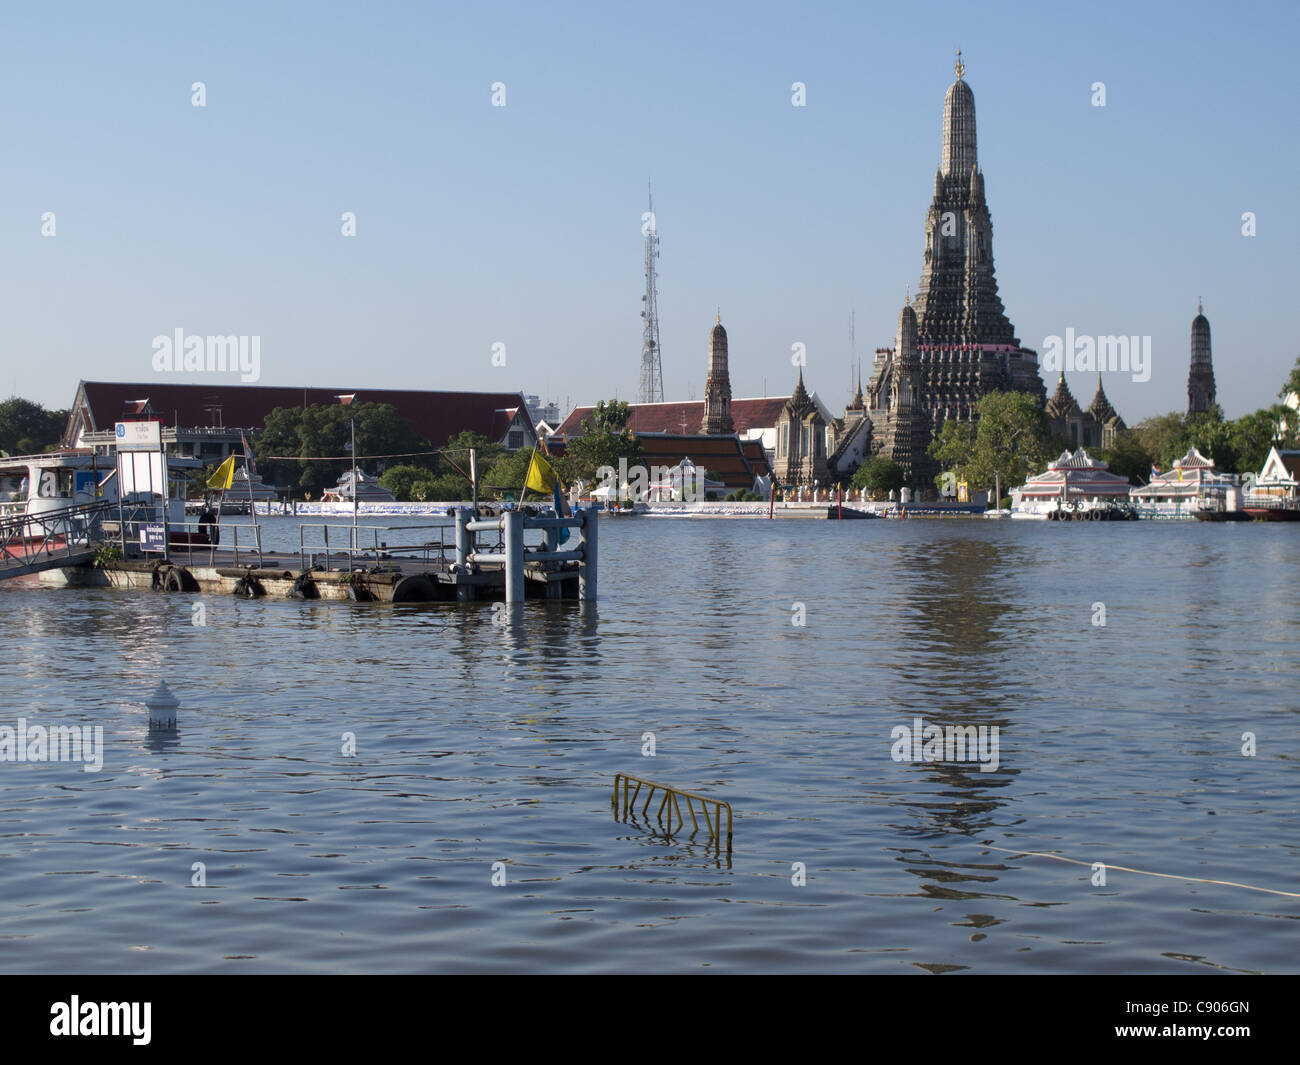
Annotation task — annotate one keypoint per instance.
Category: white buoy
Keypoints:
(162, 705)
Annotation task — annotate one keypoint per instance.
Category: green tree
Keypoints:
(879, 476)
(1211, 435)
(1292, 386)
(456, 460)
(608, 416)
(1164, 437)
(317, 440)
(447, 488)
(400, 480)
(27, 428)
(1252, 435)
(1010, 440)
(1128, 457)
(604, 441)
(508, 472)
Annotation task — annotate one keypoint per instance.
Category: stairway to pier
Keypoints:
(70, 536)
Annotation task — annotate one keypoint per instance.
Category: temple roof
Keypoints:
(746, 414)
(1079, 460)
(1100, 407)
(728, 459)
(857, 402)
(436, 416)
(800, 404)
(1062, 404)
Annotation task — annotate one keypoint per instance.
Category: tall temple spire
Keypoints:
(958, 127)
(717, 386)
(957, 302)
(955, 343)
(1200, 376)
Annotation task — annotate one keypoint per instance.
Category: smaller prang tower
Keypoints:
(1200, 378)
(717, 386)
(907, 431)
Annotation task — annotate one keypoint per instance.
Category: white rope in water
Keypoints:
(1147, 872)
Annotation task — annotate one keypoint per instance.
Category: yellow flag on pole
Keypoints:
(541, 474)
(225, 475)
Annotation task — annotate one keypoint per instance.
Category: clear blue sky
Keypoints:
(521, 224)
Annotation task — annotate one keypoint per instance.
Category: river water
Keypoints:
(249, 841)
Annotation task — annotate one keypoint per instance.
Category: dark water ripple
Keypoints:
(479, 743)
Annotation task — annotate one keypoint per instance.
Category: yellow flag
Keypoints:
(225, 475)
(541, 474)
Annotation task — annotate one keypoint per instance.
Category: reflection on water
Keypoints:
(482, 736)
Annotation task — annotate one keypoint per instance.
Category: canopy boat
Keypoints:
(367, 490)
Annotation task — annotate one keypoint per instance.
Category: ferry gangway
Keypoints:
(69, 536)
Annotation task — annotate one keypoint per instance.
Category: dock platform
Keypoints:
(497, 567)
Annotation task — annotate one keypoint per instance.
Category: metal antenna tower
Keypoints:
(652, 371)
(853, 348)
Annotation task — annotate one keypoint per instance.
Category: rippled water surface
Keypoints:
(479, 743)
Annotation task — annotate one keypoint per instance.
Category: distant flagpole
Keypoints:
(252, 506)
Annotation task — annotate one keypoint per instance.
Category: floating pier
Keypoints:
(488, 559)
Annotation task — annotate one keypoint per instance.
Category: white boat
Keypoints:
(46, 489)
(368, 490)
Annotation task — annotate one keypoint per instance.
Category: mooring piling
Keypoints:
(514, 555)
(587, 540)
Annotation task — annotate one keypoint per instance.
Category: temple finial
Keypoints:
(1198, 305)
(961, 67)
(719, 322)
(907, 298)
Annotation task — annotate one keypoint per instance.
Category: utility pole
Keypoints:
(352, 421)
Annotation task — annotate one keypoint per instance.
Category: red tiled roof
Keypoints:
(757, 457)
(722, 456)
(435, 415)
(681, 418)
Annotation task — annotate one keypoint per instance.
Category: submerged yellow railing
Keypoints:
(671, 804)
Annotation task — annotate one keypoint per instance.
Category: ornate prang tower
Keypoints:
(907, 429)
(651, 389)
(966, 345)
(717, 387)
(1200, 379)
(800, 441)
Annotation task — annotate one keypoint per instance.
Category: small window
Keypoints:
(516, 439)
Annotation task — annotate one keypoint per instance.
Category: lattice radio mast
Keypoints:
(652, 371)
